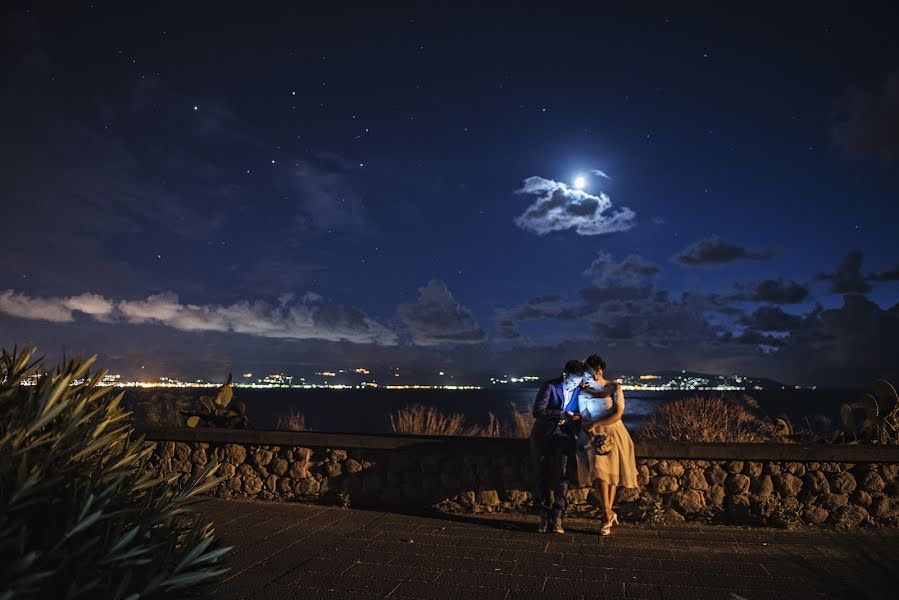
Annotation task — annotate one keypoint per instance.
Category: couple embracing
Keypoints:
(578, 435)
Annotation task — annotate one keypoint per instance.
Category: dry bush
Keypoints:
(295, 421)
(491, 429)
(427, 420)
(521, 425)
(163, 408)
(704, 419)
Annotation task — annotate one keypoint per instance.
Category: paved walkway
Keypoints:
(312, 552)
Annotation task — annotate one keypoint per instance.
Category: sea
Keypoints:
(367, 410)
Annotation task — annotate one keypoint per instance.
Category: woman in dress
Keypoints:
(602, 406)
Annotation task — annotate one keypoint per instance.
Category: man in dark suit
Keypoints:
(553, 442)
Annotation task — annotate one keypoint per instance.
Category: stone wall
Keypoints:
(843, 486)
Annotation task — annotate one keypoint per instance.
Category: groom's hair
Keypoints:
(575, 367)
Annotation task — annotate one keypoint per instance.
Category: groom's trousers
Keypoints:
(550, 455)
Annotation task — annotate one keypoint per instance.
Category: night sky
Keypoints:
(197, 187)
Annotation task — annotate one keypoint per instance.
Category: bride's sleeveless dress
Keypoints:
(618, 467)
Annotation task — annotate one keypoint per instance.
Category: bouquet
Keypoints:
(602, 444)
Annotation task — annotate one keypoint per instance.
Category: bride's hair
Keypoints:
(596, 362)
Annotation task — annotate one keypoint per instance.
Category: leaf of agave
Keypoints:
(886, 395)
(213, 555)
(224, 395)
(193, 421)
(124, 540)
(85, 523)
(206, 404)
(193, 554)
(191, 579)
(869, 403)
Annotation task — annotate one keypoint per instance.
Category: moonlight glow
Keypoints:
(580, 182)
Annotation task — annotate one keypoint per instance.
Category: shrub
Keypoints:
(704, 419)
(426, 420)
(80, 514)
(162, 408)
(295, 421)
(429, 420)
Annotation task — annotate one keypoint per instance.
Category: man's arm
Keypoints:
(541, 405)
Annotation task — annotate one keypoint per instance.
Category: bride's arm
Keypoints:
(619, 409)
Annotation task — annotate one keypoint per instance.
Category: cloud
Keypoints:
(715, 251)
(847, 279)
(867, 124)
(772, 318)
(303, 320)
(559, 207)
(26, 307)
(774, 291)
(437, 318)
(632, 268)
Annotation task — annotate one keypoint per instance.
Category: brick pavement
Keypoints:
(311, 551)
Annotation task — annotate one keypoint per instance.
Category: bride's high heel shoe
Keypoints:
(607, 526)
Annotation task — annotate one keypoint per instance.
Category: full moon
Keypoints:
(580, 182)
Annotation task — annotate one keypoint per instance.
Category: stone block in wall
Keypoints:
(881, 506)
(850, 516)
(687, 501)
(860, 497)
(488, 498)
(736, 484)
(278, 466)
(753, 469)
(843, 482)
(871, 481)
(795, 468)
(299, 469)
(167, 450)
(694, 479)
(715, 475)
(816, 482)
(352, 466)
(246, 470)
(787, 484)
(235, 454)
(670, 467)
(714, 496)
(252, 485)
(307, 487)
(833, 501)
(626, 495)
(227, 470)
(642, 475)
(235, 483)
(285, 485)
(516, 496)
(262, 456)
(762, 486)
(271, 483)
(734, 466)
(737, 507)
(889, 472)
(578, 495)
(337, 455)
(815, 515)
(663, 484)
(198, 456)
(332, 469)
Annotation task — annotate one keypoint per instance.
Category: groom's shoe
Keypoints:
(557, 525)
(543, 525)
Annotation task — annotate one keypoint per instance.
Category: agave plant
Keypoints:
(221, 411)
(81, 514)
(874, 418)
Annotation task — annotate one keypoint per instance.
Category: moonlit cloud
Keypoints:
(559, 207)
(307, 319)
(436, 317)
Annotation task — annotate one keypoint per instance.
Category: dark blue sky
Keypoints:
(205, 187)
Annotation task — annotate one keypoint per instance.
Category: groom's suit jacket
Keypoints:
(549, 406)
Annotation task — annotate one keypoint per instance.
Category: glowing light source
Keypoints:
(580, 182)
